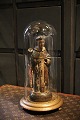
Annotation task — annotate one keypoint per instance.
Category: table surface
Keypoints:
(10, 108)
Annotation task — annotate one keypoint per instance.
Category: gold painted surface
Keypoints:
(41, 106)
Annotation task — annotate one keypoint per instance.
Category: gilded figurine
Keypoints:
(40, 62)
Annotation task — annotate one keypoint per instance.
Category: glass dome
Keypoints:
(40, 68)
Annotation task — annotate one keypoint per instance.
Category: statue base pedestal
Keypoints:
(54, 103)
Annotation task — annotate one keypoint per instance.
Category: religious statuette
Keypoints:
(40, 68)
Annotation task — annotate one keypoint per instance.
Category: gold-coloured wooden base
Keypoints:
(55, 103)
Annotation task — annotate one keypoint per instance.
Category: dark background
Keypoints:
(64, 15)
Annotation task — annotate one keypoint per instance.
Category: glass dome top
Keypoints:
(39, 28)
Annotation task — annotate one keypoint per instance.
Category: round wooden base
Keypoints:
(55, 103)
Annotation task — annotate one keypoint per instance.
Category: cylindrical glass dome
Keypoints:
(40, 67)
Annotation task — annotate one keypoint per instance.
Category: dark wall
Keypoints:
(15, 15)
(77, 49)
